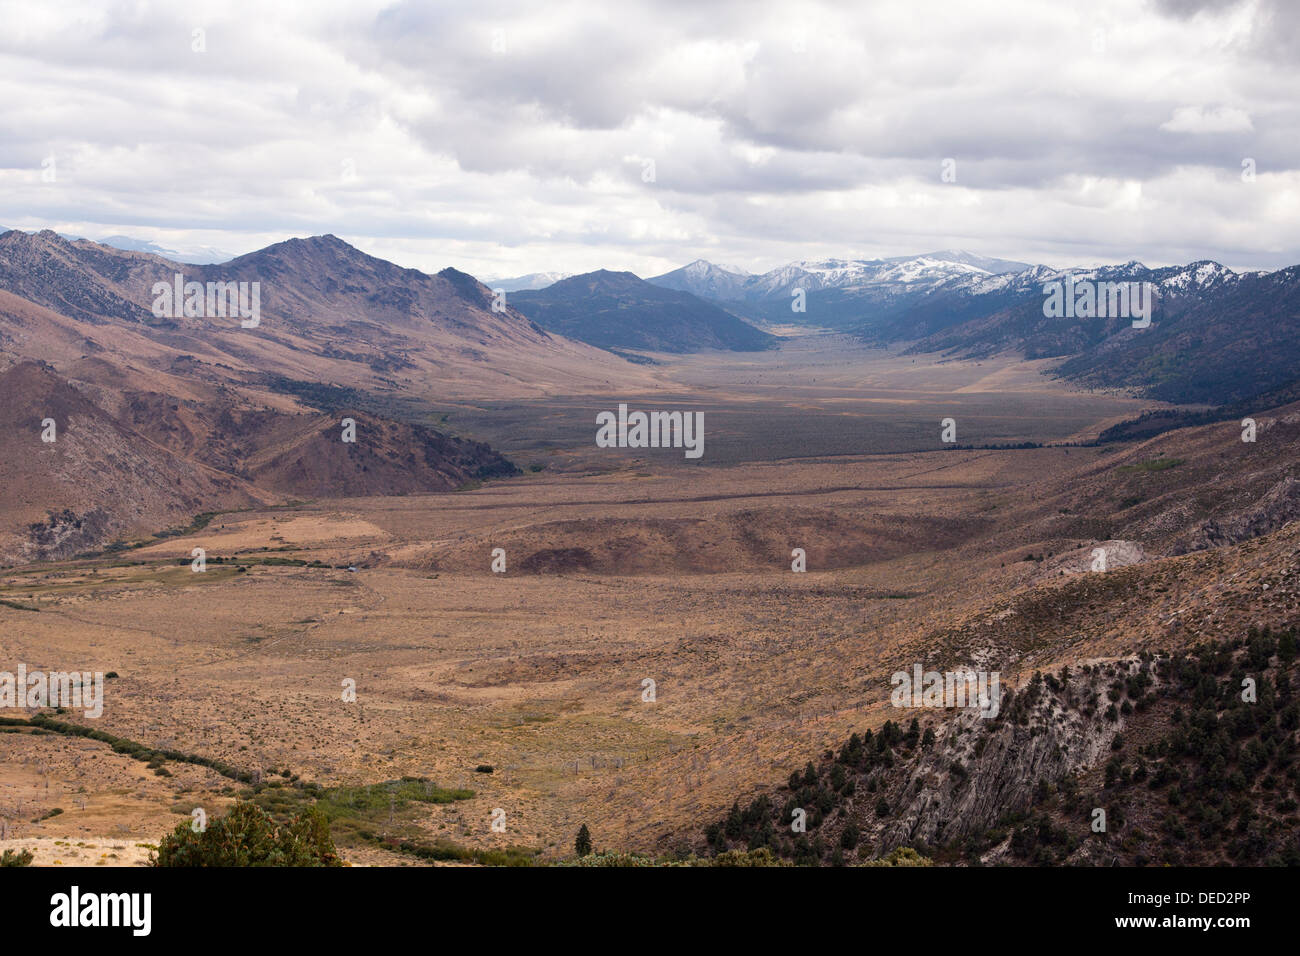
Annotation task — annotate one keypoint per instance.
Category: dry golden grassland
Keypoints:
(642, 570)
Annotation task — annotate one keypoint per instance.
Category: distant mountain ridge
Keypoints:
(162, 416)
(872, 279)
(330, 313)
(1216, 336)
(616, 310)
(204, 255)
(706, 280)
(339, 316)
(527, 283)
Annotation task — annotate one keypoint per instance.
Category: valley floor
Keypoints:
(529, 687)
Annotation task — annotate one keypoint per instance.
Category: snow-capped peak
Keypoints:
(702, 267)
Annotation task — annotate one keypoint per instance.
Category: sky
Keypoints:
(510, 138)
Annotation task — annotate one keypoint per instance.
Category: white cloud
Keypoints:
(1197, 119)
(781, 131)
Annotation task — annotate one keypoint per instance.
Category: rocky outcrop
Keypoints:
(944, 777)
(983, 769)
(1278, 507)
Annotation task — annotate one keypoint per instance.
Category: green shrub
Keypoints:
(582, 845)
(903, 856)
(247, 836)
(763, 856)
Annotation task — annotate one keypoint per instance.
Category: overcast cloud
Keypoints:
(505, 138)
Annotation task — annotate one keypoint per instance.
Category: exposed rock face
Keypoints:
(65, 533)
(951, 775)
(1002, 761)
(1279, 506)
(1087, 560)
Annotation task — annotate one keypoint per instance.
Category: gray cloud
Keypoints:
(508, 137)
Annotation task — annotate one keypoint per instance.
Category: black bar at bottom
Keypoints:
(334, 906)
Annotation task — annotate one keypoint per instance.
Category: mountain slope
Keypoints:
(838, 293)
(706, 280)
(1122, 688)
(99, 480)
(1215, 337)
(329, 313)
(155, 460)
(1235, 343)
(618, 310)
(387, 458)
(1138, 761)
(171, 415)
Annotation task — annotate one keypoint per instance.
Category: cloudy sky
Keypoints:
(505, 138)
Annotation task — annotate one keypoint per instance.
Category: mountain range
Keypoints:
(160, 417)
(616, 310)
(330, 313)
(533, 280)
(338, 316)
(1216, 336)
(899, 274)
(129, 435)
(163, 416)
